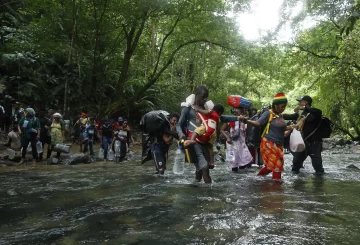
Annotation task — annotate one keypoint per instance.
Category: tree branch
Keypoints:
(114, 47)
(154, 77)
(139, 32)
(337, 126)
(335, 24)
(124, 28)
(318, 55)
(355, 65)
(163, 43)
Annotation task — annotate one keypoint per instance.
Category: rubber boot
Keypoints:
(264, 171)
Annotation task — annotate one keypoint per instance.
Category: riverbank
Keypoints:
(335, 145)
(75, 152)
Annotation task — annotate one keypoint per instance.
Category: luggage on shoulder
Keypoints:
(154, 121)
(238, 101)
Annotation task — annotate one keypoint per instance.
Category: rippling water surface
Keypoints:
(127, 204)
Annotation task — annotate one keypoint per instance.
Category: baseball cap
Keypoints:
(305, 98)
(120, 119)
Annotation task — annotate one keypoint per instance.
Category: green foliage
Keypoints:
(128, 57)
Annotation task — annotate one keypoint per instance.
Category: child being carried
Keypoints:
(208, 131)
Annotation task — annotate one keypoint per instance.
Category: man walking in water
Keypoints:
(188, 123)
(313, 141)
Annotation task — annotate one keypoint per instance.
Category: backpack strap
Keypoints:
(272, 116)
(203, 120)
(314, 130)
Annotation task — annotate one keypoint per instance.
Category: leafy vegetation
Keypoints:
(128, 57)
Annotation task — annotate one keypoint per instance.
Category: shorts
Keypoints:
(198, 154)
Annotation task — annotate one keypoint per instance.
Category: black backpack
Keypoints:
(253, 134)
(154, 122)
(326, 127)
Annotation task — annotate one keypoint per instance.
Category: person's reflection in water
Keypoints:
(318, 184)
(299, 185)
(272, 200)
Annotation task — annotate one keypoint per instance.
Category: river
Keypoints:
(127, 203)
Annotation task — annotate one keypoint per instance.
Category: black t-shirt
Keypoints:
(106, 130)
(44, 121)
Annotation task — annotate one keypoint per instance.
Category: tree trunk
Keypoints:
(66, 92)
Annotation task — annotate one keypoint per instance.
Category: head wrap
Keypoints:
(57, 115)
(279, 98)
(30, 111)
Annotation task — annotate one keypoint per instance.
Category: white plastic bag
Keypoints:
(110, 155)
(101, 154)
(12, 135)
(29, 148)
(296, 142)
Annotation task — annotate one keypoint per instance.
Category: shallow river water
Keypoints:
(126, 203)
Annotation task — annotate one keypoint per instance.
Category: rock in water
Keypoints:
(12, 193)
(356, 149)
(11, 153)
(53, 160)
(352, 166)
(77, 158)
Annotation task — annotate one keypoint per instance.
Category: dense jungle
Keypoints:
(128, 57)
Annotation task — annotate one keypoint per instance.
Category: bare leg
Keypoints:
(206, 174)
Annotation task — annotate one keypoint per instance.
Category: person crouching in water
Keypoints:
(271, 146)
(29, 130)
(162, 142)
(208, 131)
(57, 131)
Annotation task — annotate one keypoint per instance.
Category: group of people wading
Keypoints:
(198, 128)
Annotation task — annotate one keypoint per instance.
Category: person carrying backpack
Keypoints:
(309, 125)
(29, 130)
(272, 141)
(162, 142)
(186, 125)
